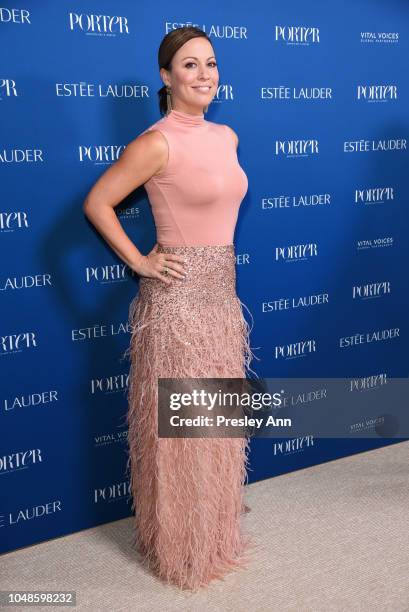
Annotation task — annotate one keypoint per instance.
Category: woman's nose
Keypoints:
(203, 71)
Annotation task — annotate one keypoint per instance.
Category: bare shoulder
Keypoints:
(151, 141)
(142, 158)
(233, 134)
(150, 149)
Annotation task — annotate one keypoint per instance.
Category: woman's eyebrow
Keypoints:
(192, 57)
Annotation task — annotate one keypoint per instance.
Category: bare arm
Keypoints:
(142, 158)
(234, 135)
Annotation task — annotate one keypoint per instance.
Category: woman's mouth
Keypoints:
(203, 88)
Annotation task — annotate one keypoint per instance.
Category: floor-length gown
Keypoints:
(187, 493)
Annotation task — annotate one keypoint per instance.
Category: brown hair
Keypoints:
(170, 44)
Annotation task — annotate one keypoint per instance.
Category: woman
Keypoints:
(187, 320)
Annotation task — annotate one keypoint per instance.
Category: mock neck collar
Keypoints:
(185, 118)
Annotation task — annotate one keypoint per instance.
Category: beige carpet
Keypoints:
(334, 537)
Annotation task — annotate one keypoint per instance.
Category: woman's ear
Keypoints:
(164, 76)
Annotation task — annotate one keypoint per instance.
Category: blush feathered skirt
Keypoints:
(187, 494)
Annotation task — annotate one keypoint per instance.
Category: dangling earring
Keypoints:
(168, 100)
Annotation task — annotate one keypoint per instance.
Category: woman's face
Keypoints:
(194, 76)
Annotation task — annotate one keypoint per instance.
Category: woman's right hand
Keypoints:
(154, 264)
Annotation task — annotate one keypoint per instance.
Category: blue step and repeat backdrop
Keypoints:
(318, 94)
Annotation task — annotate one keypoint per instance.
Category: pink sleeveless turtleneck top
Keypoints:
(195, 200)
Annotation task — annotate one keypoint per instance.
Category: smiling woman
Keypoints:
(189, 72)
(186, 320)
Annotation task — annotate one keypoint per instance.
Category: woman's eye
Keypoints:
(194, 63)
